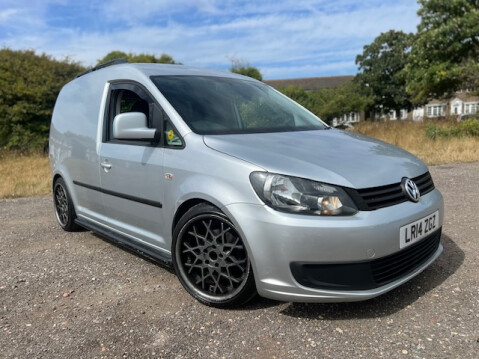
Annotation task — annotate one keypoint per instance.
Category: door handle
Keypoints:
(105, 165)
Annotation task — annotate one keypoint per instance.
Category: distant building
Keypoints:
(462, 103)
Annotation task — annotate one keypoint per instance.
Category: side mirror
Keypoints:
(132, 126)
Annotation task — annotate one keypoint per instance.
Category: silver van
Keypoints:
(239, 188)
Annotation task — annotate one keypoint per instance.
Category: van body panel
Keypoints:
(73, 140)
(136, 172)
(196, 175)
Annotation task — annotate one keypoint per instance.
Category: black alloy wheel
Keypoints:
(211, 259)
(64, 210)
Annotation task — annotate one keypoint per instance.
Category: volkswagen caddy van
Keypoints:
(239, 188)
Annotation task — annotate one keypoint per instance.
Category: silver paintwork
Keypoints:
(216, 169)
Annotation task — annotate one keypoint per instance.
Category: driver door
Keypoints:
(132, 170)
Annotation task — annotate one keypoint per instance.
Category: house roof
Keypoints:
(463, 96)
(437, 102)
(467, 97)
(311, 83)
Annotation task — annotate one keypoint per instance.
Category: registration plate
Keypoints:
(415, 231)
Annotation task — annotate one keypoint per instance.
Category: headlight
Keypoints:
(297, 195)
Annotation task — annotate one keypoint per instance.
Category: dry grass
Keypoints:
(24, 175)
(29, 175)
(411, 136)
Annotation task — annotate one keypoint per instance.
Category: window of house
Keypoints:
(471, 108)
(436, 110)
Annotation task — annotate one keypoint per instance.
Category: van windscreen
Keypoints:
(222, 105)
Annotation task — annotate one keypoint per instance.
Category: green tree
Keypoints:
(304, 98)
(138, 58)
(330, 103)
(381, 73)
(341, 100)
(444, 56)
(29, 86)
(244, 68)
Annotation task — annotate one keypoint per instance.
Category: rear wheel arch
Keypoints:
(55, 178)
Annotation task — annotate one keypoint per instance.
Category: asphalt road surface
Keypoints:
(72, 295)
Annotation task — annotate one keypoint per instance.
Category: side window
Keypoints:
(171, 136)
(128, 99)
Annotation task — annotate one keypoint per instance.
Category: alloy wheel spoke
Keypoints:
(209, 232)
(222, 233)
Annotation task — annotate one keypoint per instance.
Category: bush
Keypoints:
(468, 128)
(245, 69)
(29, 86)
(139, 58)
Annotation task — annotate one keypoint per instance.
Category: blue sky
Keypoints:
(283, 38)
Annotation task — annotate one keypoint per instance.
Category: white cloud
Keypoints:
(283, 38)
(7, 14)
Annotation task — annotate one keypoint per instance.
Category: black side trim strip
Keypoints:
(121, 195)
(158, 256)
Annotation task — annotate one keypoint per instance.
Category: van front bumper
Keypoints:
(303, 258)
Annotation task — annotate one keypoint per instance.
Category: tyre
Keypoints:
(64, 210)
(210, 258)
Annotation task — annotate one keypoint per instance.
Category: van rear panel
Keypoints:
(73, 138)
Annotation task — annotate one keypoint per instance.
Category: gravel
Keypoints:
(78, 295)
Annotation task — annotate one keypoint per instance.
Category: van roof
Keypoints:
(153, 69)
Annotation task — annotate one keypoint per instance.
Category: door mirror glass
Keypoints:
(132, 126)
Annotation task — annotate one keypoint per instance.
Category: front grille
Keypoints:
(369, 199)
(369, 274)
(389, 268)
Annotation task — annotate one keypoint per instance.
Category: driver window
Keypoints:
(122, 101)
(128, 101)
